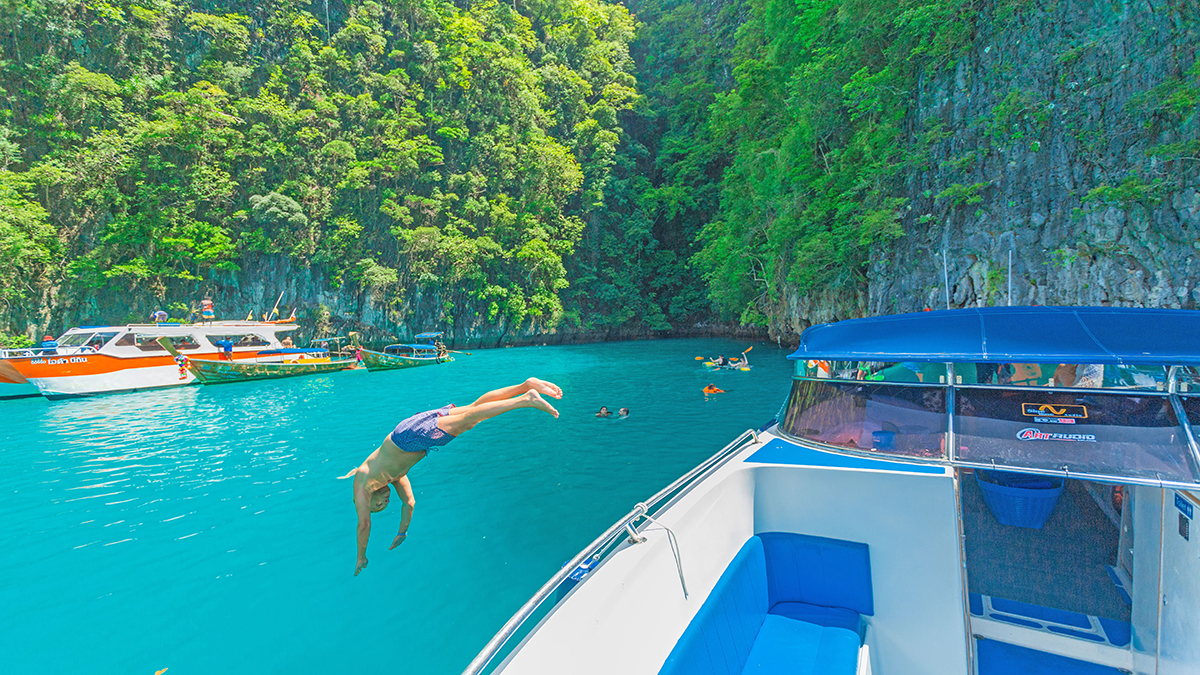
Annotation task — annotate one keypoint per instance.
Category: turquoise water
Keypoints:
(202, 529)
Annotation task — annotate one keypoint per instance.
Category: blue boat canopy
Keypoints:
(1100, 335)
(423, 348)
(426, 336)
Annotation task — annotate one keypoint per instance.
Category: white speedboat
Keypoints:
(109, 359)
(968, 492)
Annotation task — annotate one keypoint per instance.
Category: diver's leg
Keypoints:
(531, 384)
(466, 418)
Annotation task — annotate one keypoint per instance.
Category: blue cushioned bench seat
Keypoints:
(788, 603)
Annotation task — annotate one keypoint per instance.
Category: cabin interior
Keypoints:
(1081, 595)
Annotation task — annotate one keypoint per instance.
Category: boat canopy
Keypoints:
(1110, 394)
(1099, 335)
(423, 348)
(427, 336)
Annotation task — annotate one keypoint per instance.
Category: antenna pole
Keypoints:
(946, 277)
(1010, 277)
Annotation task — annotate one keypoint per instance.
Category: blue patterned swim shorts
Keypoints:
(420, 432)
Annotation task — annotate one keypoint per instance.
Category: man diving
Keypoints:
(412, 439)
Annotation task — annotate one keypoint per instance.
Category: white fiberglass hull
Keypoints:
(126, 380)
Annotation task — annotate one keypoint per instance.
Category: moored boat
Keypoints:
(408, 355)
(268, 365)
(990, 491)
(109, 359)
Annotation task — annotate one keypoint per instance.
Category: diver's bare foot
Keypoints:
(536, 401)
(544, 387)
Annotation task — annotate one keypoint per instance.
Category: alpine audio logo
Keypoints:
(1031, 434)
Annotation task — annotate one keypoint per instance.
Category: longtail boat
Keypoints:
(221, 371)
(403, 356)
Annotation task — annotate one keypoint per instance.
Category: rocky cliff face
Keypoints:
(321, 309)
(1068, 137)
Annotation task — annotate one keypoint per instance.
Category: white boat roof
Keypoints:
(174, 328)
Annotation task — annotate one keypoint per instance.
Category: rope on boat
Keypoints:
(671, 539)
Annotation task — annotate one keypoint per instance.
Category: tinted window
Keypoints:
(149, 343)
(74, 340)
(240, 339)
(1087, 433)
(868, 416)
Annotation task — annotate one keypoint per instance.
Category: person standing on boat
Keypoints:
(412, 440)
(49, 345)
(207, 313)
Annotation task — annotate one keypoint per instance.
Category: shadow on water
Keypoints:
(203, 529)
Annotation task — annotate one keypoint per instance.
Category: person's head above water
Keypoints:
(603, 411)
(380, 499)
(623, 412)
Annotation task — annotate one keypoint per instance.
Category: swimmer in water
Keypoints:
(604, 412)
(411, 441)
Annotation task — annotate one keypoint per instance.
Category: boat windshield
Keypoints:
(74, 339)
(1103, 422)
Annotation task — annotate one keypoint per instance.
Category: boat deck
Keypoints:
(1062, 566)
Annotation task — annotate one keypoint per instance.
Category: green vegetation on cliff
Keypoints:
(516, 167)
(407, 146)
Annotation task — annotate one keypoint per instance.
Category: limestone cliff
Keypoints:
(1069, 139)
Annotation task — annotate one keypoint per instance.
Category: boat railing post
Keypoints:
(951, 450)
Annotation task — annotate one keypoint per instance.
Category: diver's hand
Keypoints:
(362, 565)
(398, 540)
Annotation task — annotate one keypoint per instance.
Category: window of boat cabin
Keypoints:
(98, 340)
(894, 408)
(149, 343)
(74, 339)
(1102, 420)
(240, 339)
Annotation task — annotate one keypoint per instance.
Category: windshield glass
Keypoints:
(1096, 420)
(1092, 433)
(74, 339)
(877, 417)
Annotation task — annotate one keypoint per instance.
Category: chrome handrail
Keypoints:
(502, 637)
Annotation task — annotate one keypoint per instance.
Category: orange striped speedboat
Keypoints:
(110, 359)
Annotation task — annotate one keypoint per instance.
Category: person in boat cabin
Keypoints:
(411, 441)
(604, 412)
(287, 341)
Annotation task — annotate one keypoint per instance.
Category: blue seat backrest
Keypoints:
(719, 638)
(818, 571)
